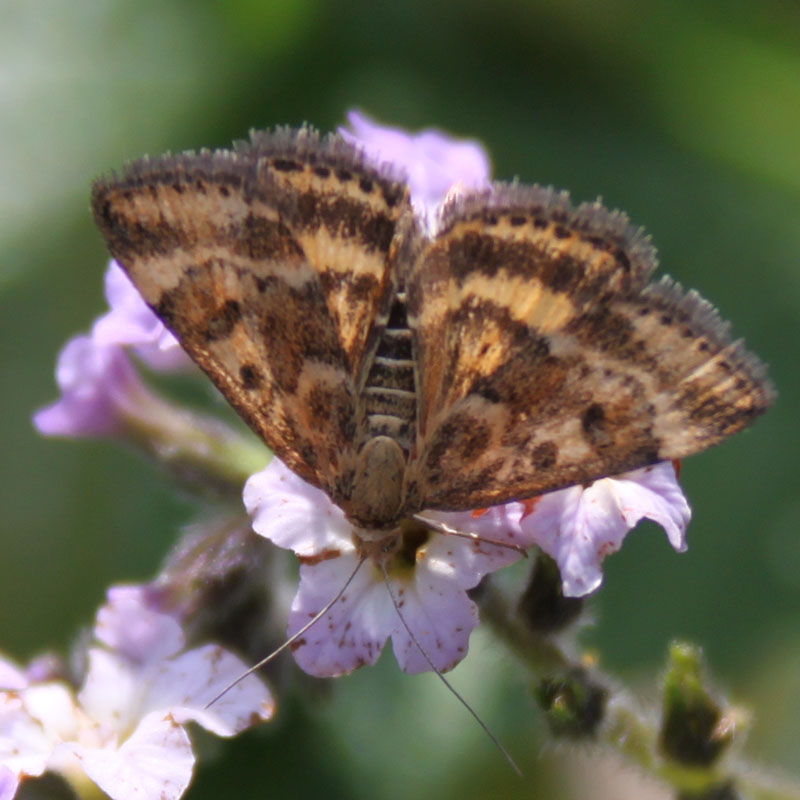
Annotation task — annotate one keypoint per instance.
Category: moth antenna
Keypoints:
(442, 527)
(444, 680)
(316, 618)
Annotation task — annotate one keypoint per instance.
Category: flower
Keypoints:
(99, 385)
(131, 323)
(427, 575)
(579, 526)
(435, 164)
(431, 570)
(125, 728)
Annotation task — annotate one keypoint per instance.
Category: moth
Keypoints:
(516, 349)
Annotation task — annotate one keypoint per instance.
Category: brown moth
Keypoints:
(517, 349)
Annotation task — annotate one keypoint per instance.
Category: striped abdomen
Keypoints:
(389, 392)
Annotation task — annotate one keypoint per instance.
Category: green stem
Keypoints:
(202, 452)
(627, 728)
(541, 654)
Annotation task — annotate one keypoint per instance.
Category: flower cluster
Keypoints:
(577, 527)
(125, 728)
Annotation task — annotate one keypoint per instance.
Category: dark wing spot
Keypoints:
(286, 165)
(221, 324)
(462, 433)
(565, 273)
(544, 455)
(261, 238)
(593, 422)
(251, 376)
(593, 417)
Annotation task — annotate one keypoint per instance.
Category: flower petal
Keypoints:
(9, 783)
(434, 162)
(440, 615)
(112, 689)
(95, 383)
(294, 514)
(129, 625)
(579, 527)
(11, 676)
(24, 746)
(53, 707)
(187, 683)
(156, 762)
(469, 559)
(354, 630)
(131, 323)
(654, 493)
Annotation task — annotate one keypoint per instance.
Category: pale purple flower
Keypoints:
(429, 579)
(131, 323)
(579, 526)
(434, 163)
(98, 381)
(125, 728)
(98, 384)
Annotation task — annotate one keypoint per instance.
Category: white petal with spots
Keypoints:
(579, 527)
(293, 514)
(155, 762)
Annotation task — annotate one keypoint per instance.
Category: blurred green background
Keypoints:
(685, 114)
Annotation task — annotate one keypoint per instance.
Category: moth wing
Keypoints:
(545, 360)
(273, 264)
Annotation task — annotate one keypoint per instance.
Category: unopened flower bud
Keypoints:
(543, 605)
(573, 703)
(695, 729)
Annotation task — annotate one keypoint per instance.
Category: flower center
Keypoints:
(413, 536)
(399, 549)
